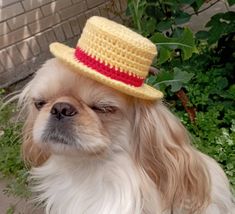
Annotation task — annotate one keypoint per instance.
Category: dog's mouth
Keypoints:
(56, 138)
(57, 133)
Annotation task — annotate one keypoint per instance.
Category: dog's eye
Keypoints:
(39, 104)
(104, 109)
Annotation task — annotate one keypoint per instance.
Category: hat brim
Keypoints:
(66, 54)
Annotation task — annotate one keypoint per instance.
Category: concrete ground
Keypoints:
(20, 206)
(24, 207)
(198, 22)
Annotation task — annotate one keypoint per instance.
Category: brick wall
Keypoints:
(27, 27)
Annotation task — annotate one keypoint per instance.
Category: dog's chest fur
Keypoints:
(84, 186)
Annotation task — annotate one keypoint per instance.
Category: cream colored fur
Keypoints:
(136, 160)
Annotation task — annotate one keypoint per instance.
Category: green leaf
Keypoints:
(220, 25)
(162, 78)
(222, 83)
(197, 4)
(178, 31)
(182, 18)
(214, 20)
(164, 55)
(154, 11)
(164, 25)
(148, 26)
(165, 75)
(187, 1)
(215, 33)
(151, 24)
(231, 90)
(172, 3)
(176, 81)
(182, 76)
(227, 18)
(185, 42)
(231, 2)
(202, 34)
(230, 15)
(151, 10)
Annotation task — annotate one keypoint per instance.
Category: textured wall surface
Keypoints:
(27, 27)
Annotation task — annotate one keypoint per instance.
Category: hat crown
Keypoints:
(117, 46)
(113, 55)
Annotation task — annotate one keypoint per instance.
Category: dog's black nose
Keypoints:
(62, 110)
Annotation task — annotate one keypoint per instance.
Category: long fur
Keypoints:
(148, 167)
(169, 159)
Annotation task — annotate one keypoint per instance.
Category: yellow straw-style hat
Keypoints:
(112, 54)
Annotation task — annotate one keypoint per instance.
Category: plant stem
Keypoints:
(184, 100)
(212, 4)
(136, 8)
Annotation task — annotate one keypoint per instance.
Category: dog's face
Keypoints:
(70, 113)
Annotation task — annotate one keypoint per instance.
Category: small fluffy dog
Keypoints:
(96, 150)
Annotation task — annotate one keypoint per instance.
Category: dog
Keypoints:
(94, 148)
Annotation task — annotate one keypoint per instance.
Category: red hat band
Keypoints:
(107, 70)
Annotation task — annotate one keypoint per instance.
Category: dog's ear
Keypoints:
(163, 150)
(32, 154)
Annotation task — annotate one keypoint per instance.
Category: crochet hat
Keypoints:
(112, 54)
